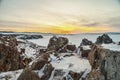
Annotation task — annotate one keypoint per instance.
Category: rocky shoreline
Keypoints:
(44, 63)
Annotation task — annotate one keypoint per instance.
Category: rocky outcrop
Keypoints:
(104, 39)
(105, 64)
(8, 41)
(85, 42)
(71, 47)
(57, 43)
(28, 74)
(24, 37)
(9, 56)
(47, 72)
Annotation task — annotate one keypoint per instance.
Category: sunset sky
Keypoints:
(60, 16)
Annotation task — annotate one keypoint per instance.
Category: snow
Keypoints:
(41, 42)
(86, 47)
(72, 63)
(29, 52)
(114, 47)
(11, 75)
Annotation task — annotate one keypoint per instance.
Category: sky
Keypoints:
(60, 16)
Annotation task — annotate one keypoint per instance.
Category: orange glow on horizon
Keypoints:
(61, 29)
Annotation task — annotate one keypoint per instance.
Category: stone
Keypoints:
(28, 74)
(47, 72)
(86, 42)
(71, 47)
(106, 62)
(57, 43)
(104, 39)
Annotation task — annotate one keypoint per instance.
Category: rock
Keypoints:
(118, 43)
(10, 58)
(96, 56)
(27, 74)
(106, 62)
(93, 75)
(47, 72)
(104, 39)
(85, 53)
(86, 42)
(57, 43)
(37, 65)
(8, 41)
(71, 47)
(24, 37)
(75, 76)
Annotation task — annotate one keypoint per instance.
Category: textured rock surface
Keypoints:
(27, 74)
(57, 43)
(105, 64)
(9, 55)
(71, 47)
(104, 39)
(86, 42)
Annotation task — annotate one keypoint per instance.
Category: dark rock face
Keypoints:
(86, 42)
(118, 43)
(105, 64)
(71, 47)
(38, 64)
(27, 74)
(104, 39)
(9, 55)
(85, 53)
(57, 43)
(24, 37)
(75, 76)
(47, 72)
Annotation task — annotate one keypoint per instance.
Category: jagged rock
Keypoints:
(10, 58)
(86, 42)
(37, 65)
(28, 74)
(96, 56)
(85, 53)
(8, 41)
(57, 43)
(60, 74)
(104, 39)
(71, 47)
(75, 76)
(106, 62)
(93, 75)
(24, 37)
(47, 72)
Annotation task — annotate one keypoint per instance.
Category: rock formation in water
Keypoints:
(104, 39)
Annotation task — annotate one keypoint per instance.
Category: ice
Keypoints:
(112, 46)
(72, 63)
(11, 75)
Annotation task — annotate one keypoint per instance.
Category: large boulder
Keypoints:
(105, 64)
(86, 42)
(104, 39)
(9, 55)
(57, 43)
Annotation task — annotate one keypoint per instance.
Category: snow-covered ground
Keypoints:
(76, 39)
(71, 63)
